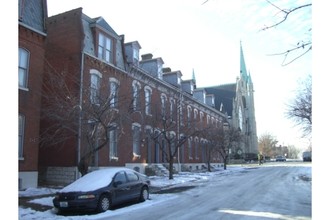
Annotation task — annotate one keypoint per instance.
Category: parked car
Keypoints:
(307, 156)
(280, 158)
(101, 189)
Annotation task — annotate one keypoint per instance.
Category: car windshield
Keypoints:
(91, 181)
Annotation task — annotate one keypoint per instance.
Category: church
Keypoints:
(237, 101)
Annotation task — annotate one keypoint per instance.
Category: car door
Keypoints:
(121, 188)
(134, 184)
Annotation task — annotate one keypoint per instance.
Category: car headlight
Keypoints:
(87, 196)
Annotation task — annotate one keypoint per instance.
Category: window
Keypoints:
(105, 48)
(21, 127)
(160, 70)
(136, 139)
(136, 96)
(114, 85)
(95, 86)
(163, 105)
(147, 92)
(23, 63)
(195, 114)
(120, 178)
(201, 118)
(113, 142)
(172, 110)
(135, 55)
(196, 148)
(181, 114)
(132, 177)
(190, 148)
(189, 115)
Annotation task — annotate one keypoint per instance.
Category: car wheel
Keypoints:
(104, 203)
(144, 194)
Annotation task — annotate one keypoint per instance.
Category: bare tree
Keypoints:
(302, 46)
(170, 131)
(220, 140)
(87, 117)
(300, 110)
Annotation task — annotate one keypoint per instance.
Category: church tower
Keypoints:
(245, 107)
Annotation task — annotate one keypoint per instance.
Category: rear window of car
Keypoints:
(132, 177)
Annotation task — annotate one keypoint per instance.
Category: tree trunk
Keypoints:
(225, 162)
(83, 166)
(171, 168)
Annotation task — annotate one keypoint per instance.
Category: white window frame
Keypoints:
(136, 87)
(163, 100)
(23, 68)
(136, 127)
(114, 92)
(172, 109)
(95, 86)
(148, 93)
(189, 111)
(21, 130)
(113, 141)
(105, 48)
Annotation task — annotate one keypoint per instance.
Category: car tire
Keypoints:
(144, 194)
(103, 204)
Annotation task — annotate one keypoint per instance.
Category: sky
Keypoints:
(189, 35)
(181, 179)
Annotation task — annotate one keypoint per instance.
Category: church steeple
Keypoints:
(194, 78)
(243, 72)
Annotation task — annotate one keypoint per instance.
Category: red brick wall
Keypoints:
(29, 100)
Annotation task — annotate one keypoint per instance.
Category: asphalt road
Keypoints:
(269, 191)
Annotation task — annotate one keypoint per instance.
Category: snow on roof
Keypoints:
(93, 180)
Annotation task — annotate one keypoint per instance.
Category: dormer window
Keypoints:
(135, 55)
(105, 50)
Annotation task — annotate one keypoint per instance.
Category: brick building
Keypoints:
(31, 50)
(115, 103)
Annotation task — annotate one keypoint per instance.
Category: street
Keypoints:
(270, 191)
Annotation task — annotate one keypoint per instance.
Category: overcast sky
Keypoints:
(189, 35)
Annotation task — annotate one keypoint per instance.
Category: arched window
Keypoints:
(114, 87)
(113, 142)
(147, 92)
(95, 86)
(136, 130)
(136, 87)
(163, 99)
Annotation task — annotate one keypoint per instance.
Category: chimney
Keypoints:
(167, 70)
(147, 56)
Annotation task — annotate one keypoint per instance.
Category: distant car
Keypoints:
(101, 189)
(307, 156)
(280, 158)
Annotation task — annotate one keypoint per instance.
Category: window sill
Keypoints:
(136, 155)
(23, 88)
(114, 158)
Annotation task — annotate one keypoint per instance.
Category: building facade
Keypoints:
(31, 50)
(237, 101)
(112, 108)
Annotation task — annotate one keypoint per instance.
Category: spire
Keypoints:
(243, 71)
(194, 78)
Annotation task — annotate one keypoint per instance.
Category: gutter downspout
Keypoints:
(80, 112)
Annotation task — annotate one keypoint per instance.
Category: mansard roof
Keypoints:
(223, 94)
(33, 14)
(101, 23)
